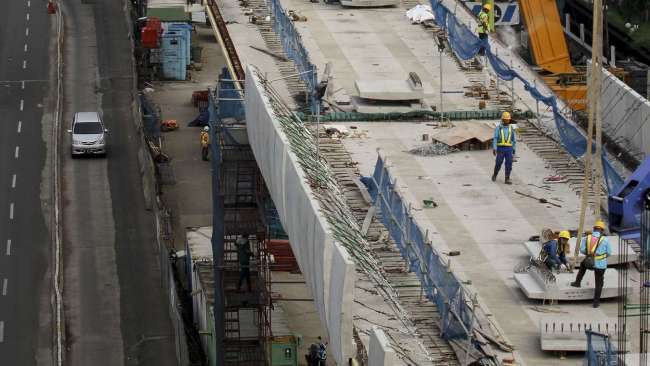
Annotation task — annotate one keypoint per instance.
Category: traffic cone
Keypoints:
(51, 7)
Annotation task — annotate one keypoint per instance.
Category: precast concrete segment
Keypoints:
(314, 213)
(23, 232)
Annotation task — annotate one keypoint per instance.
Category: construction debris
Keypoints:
(433, 149)
(541, 200)
(274, 55)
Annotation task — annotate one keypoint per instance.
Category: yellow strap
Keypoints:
(599, 257)
(503, 141)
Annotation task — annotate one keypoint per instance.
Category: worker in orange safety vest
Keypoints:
(596, 249)
(205, 143)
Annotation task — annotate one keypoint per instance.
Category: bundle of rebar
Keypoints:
(338, 215)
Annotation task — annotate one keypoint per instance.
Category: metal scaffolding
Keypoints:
(242, 314)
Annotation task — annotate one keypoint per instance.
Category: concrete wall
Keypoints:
(329, 273)
(625, 115)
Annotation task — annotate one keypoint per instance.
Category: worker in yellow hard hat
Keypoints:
(503, 146)
(596, 249)
(484, 21)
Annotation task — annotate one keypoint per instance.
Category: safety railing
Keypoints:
(295, 51)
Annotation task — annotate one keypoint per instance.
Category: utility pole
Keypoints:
(595, 118)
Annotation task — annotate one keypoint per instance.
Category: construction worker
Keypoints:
(596, 249)
(484, 24)
(244, 255)
(549, 249)
(563, 248)
(205, 143)
(503, 146)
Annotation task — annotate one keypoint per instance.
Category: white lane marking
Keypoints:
(17, 152)
(29, 3)
(4, 287)
(13, 181)
(11, 211)
(22, 84)
(2, 331)
(24, 64)
(8, 252)
(25, 47)
(20, 126)
(27, 16)
(22, 104)
(27, 31)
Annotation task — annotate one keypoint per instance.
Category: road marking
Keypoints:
(4, 287)
(8, 252)
(17, 152)
(27, 16)
(24, 64)
(22, 84)
(20, 125)
(22, 105)
(25, 47)
(29, 3)
(2, 331)
(27, 31)
(13, 181)
(11, 211)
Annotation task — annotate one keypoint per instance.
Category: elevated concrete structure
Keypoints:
(485, 221)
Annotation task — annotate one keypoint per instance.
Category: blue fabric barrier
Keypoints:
(292, 45)
(439, 285)
(466, 45)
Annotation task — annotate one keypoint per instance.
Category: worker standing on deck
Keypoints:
(205, 143)
(503, 146)
(484, 24)
(596, 249)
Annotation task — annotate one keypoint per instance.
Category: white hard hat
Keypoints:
(206, 128)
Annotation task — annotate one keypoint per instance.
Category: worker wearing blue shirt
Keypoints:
(504, 144)
(597, 247)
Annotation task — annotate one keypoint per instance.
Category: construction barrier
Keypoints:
(439, 283)
(292, 45)
(600, 351)
(466, 45)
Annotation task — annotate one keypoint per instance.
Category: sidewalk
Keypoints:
(189, 197)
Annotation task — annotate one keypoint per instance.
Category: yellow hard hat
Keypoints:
(506, 116)
(565, 234)
(599, 224)
(487, 7)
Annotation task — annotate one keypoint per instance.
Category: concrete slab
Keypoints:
(485, 221)
(567, 333)
(534, 248)
(388, 90)
(562, 290)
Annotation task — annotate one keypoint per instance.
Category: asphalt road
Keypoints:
(115, 309)
(25, 185)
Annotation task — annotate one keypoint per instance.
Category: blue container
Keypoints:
(173, 56)
(186, 30)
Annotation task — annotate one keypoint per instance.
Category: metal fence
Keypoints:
(292, 44)
(600, 351)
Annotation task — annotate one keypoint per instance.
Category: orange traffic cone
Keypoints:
(51, 7)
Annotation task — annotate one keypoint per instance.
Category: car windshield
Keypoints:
(94, 128)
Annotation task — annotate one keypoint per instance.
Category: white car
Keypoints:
(88, 134)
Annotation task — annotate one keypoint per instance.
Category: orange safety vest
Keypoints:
(205, 139)
(592, 245)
